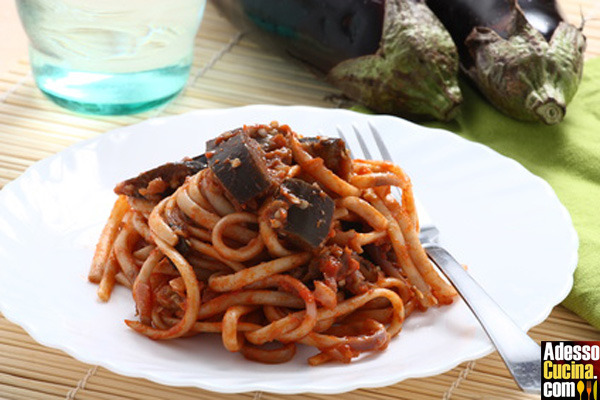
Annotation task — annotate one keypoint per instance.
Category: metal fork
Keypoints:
(521, 354)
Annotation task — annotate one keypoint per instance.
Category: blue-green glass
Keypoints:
(109, 94)
(111, 57)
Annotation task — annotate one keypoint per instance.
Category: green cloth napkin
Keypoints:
(567, 156)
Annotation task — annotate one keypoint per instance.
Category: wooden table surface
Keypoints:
(32, 128)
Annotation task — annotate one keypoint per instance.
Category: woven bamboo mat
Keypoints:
(230, 70)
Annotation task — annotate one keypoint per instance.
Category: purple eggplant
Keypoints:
(521, 55)
(394, 56)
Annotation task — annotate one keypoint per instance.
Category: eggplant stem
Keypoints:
(551, 112)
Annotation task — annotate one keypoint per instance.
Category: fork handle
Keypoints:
(521, 354)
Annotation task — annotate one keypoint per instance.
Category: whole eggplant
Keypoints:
(394, 56)
(521, 55)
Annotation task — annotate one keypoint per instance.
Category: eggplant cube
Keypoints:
(332, 151)
(309, 214)
(159, 182)
(238, 163)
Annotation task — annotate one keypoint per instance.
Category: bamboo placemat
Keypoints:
(230, 70)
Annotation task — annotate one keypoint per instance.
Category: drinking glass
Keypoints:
(111, 57)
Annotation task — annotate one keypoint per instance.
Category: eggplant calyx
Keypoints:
(551, 113)
(526, 76)
(548, 103)
(414, 71)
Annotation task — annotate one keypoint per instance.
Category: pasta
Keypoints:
(271, 240)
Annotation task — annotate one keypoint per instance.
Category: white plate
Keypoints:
(504, 223)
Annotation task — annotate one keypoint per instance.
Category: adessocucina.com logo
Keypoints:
(570, 370)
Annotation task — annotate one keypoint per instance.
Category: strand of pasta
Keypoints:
(142, 290)
(291, 321)
(268, 235)
(443, 291)
(288, 334)
(192, 302)
(246, 276)
(123, 248)
(400, 248)
(248, 297)
(202, 216)
(107, 238)
(248, 251)
(316, 168)
(109, 278)
(231, 319)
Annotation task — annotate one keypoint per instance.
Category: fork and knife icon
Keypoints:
(588, 388)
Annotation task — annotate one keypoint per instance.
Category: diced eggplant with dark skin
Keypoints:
(309, 213)
(238, 163)
(394, 56)
(521, 55)
(212, 144)
(160, 182)
(332, 151)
